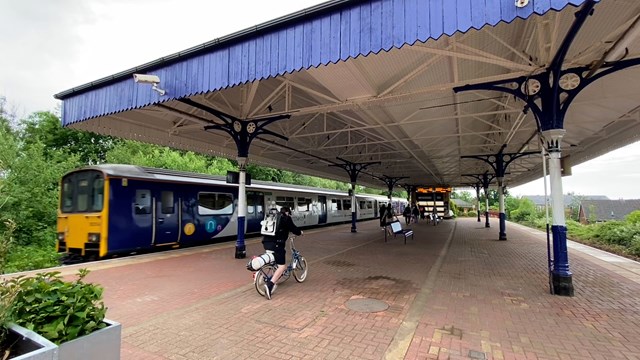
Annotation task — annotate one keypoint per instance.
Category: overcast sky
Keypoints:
(57, 45)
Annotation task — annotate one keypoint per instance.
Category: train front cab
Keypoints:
(82, 214)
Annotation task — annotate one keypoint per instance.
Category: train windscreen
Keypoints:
(82, 192)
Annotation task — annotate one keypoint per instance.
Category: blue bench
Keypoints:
(396, 229)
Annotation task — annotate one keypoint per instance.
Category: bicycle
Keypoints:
(298, 267)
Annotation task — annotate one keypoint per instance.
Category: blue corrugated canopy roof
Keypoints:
(328, 33)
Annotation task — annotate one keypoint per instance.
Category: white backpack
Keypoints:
(270, 224)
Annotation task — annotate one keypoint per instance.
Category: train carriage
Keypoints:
(107, 210)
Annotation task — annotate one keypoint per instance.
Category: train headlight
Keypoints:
(93, 237)
(60, 236)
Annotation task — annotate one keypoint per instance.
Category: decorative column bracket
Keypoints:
(554, 87)
(500, 161)
(353, 169)
(391, 182)
(410, 189)
(242, 132)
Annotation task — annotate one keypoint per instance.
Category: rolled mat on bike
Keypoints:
(259, 261)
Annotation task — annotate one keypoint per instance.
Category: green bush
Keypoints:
(57, 309)
(633, 217)
(472, 213)
(634, 247)
(31, 257)
(609, 233)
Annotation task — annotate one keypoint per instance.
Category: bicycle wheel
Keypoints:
(300, 272)
(261, 277)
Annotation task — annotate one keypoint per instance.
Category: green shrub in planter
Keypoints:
(57, 309)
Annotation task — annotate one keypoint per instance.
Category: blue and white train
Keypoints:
(108, 210)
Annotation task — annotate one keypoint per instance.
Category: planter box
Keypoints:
(103, 344)
(31, 345)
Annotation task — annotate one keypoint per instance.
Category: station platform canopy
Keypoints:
(373, 81)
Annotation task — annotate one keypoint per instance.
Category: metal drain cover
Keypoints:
(367, 305)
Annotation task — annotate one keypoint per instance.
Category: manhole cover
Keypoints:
(367, 305)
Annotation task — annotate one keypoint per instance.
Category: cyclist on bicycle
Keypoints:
(277, 245)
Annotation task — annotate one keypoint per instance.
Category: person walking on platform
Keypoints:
(389, 216)
(277, 244)
(407, 214)
(383, 213)
(416, 213)
(434, 215)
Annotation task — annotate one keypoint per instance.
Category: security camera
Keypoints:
(146, 79)
(154, 80)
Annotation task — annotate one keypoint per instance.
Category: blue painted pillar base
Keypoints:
(486, 222)
(561, 277)
(562, 284)
(241, 252)
(353, 222)
(503, 227)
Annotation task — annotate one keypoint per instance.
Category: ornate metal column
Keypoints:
(391, 182)
(484, 180)
(354, 169)
(499, 163)
(548, 94)
(477, 186)
(561, 277)
(242, 132)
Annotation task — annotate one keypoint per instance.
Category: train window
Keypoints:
(254, 203)
(215, 204)
(97, 197)
(304, 204)
(347, 204)
(362, 204)
(334, 205)
(82, 203)
(67, 195)
(287, 201)
(143, 202)
(167, 205)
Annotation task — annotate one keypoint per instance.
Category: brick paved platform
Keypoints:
(454, 292)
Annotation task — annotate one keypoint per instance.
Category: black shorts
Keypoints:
(278, 249)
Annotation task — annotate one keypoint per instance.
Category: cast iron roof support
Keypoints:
(555, 89)
(499, 163)
(483, 180)
(353, 169)
(391, 182)
(242, 132)
(410, 189)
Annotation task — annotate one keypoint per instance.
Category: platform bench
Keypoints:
(396, 229)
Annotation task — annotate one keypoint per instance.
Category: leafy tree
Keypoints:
(46, 128)
(29, 175)
(464, 195)
(525, 211)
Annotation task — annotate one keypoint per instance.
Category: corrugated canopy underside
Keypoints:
(371, 81)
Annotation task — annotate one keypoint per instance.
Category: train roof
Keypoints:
(141, 172)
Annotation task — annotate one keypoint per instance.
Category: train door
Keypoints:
(166, 225)
(322, 217)
(255, 211)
